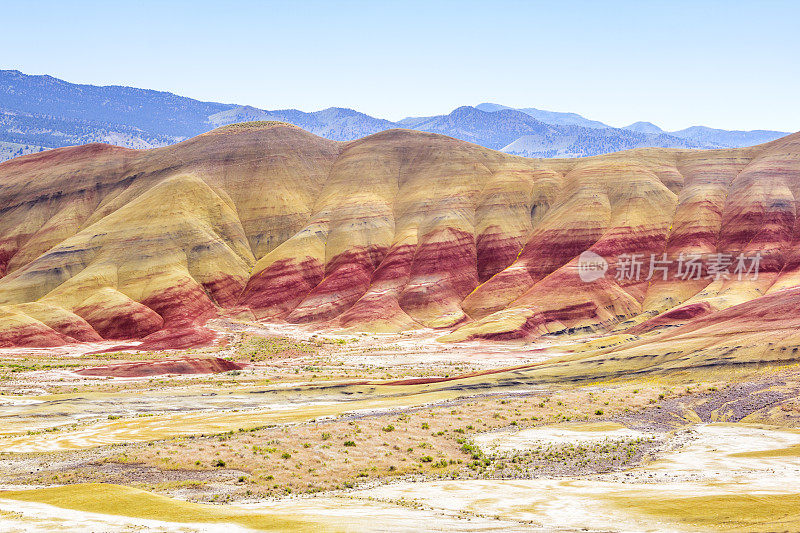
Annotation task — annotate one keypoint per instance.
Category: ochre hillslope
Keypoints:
(394, 231)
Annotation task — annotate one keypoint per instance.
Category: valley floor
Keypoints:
(397, 432)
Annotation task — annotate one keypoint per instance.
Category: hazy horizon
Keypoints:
(396, 60)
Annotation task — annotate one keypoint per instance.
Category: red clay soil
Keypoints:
(674, 317)
(424, 381)
(69, 154)
(33, 336)
(185, 365)
(178, 339)
(169, 339)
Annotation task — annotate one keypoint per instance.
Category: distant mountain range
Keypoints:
(41, 112)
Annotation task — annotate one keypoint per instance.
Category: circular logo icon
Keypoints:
(591, 266)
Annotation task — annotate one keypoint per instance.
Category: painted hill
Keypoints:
(40, 112)
(397, 230)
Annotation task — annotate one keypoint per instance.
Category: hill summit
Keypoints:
(398, 230)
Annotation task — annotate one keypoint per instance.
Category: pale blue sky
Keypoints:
(717, 63)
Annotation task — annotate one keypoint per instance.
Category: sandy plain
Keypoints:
(394, 432)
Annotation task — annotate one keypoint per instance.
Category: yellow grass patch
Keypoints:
(143, 429)
(789, 451)
(134, 503)
(729, 512)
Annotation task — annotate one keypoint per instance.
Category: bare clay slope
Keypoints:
(397, 230)
(125, 243)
